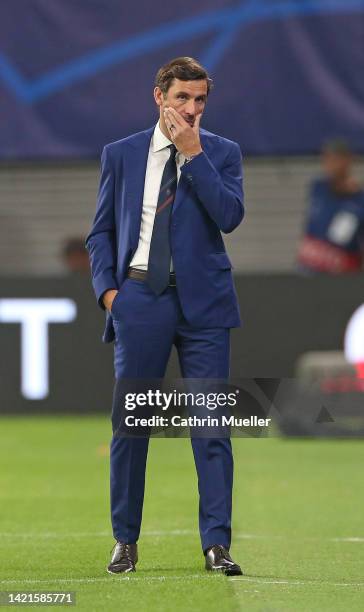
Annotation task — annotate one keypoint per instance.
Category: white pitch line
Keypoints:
(89, 534)
(346, 539)
(111, 578)
(167, 533)
(249, 536)
(296, 582)
(176, 578)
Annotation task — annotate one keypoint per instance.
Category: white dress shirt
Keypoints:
(157, 158)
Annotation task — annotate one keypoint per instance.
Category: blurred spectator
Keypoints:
(333, 242)
(75, 256)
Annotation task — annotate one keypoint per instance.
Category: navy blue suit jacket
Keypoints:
(209, 200)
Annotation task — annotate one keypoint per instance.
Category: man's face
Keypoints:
(187, 97)
(336, 165)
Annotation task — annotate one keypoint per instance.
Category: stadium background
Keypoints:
(74, 76)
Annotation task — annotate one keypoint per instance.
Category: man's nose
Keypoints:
(190, 107)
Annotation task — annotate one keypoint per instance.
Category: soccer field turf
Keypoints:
(297, 522)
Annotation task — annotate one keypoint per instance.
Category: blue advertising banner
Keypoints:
(75, 75)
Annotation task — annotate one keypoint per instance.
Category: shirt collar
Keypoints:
(160, 141)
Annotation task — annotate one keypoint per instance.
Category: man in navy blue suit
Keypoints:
(160, 270)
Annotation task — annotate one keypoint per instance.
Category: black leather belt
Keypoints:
(142, 275)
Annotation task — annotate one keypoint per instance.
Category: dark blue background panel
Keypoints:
(75, 75)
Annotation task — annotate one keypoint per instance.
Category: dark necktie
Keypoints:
(160, 250)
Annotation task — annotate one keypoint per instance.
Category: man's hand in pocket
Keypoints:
(108, 298)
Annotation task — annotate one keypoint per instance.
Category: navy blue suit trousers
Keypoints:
(146, 327)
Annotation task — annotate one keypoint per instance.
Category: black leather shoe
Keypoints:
(218, 559)
(124, 558)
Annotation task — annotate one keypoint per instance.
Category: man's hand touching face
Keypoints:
(183, 135)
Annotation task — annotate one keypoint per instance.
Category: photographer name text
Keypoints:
(194, 421)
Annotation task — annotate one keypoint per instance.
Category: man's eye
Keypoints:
(182, 96)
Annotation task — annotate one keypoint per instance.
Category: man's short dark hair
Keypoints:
(184, 69)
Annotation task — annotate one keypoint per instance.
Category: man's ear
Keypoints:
(158, 96)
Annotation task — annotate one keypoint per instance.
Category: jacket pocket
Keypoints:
(219, 261)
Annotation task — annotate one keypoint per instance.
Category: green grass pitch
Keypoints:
(298, 528)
